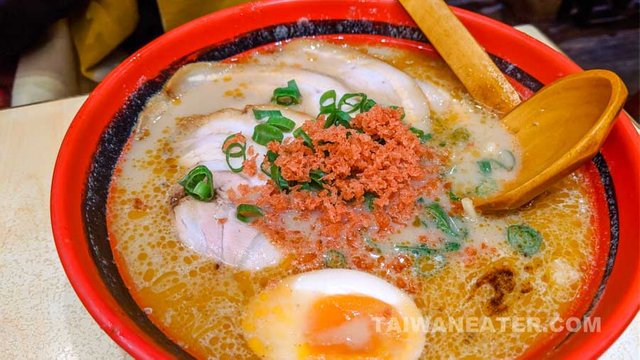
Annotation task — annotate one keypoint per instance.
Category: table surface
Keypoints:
(40, 315)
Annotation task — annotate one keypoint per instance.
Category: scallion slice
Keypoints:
(269, 161)
(265, 114)
(328, 102)
(420, 134)
(486, 187)
(280, 182)
(334, 259)
(394, 107)
(351, 102)
(316, 183)
(524, 239)
(460, 135)
(271, 156)
(418, 250)
(281, 122)
(367, 105)
(338, 117)
(241, 153)
(265, 133)
(506, 160)
(247, 212)
(369, 197)
(306, 140)
(485, 166)
(429, 265)
(316, 176)
(372, 244)
(287, 95)
(198, 183)
(451, 246)
(443, 221)
(234, 150)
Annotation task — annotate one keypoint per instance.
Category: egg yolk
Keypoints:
(348, 326)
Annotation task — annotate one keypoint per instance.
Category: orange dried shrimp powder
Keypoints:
(353, 179)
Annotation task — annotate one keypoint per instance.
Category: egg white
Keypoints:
(274, 320)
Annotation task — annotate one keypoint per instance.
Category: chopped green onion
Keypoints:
(317, 175)
(367, 105)
(328, 102)
(420, 134)
(262, 114)
(429, 265)
(238, 154)
(311, 186)
(333, 114)
(234, 150)
(372, 244)
(424, 250)
(306, 140)
(287, 95)
(262, 168)
(351, 106)
(338, 117)
(524, 239)
(453, 196)
(271, 156)
(485, 166)
(486, 187)
(369, 197)
(428, 261)
(506, 160)
(394, 107)
(334, 259)
(247, 212)
(281, 122)
(235, 145)
(198, 183)
(316, 183)
(451, 246)
(265, 133)
(443, 221)
(418, 250)
(460, 135)
(270, 160)
(280, 182)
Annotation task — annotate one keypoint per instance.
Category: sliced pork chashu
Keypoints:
(205, 87)
(381, 81)
(211, 228)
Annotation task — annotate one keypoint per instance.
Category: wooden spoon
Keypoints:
(463, 54)
(559, 128)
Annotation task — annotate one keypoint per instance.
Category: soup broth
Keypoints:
(198, 297)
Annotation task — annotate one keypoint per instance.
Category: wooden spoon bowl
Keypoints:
(559, 128)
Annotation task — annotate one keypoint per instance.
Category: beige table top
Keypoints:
(40, 315)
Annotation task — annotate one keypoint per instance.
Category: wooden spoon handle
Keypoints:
(463, 54)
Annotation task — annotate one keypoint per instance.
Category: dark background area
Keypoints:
(594, 33)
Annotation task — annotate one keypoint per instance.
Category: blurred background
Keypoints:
(52, 49)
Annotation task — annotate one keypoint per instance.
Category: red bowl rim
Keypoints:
(66, 216)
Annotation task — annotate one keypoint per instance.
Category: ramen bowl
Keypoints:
(101, 129)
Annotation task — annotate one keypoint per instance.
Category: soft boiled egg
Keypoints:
(333, 314)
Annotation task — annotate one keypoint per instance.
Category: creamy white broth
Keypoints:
(196, 299)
